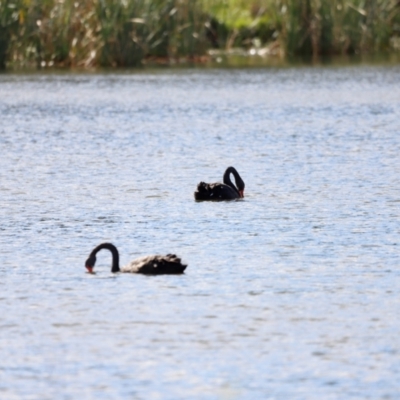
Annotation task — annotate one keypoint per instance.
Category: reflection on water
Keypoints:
(290, 293)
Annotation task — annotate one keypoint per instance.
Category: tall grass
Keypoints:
(88, 33)
(309, 27)
(124, 33)
(9, 22)
(316, 27)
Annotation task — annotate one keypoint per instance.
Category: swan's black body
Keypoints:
(221, 191)
(150, 265)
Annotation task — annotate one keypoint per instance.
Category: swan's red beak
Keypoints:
(241, 193)
(90, 269)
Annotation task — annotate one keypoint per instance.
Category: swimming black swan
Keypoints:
(221, 191)
(150, 265)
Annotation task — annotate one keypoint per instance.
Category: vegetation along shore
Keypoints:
(127, 33)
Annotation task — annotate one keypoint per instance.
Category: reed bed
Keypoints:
(126, 33)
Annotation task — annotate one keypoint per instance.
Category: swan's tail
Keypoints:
(203, 187)
(203, 191)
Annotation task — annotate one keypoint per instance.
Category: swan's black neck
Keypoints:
(114, 252)
(238, 180)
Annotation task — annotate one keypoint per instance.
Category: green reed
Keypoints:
(99, 32)
(309, 27)
(340, 26)
(120, 33)
(9, 23)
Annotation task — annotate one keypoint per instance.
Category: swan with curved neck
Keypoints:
(149, 265)
(221, 191)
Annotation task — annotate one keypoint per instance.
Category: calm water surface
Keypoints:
(292, 293)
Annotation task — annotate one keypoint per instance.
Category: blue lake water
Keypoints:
(291, 293)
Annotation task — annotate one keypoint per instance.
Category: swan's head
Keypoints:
(89, 264)
(240, 186)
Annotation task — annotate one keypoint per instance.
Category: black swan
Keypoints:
(221, 191)
(149, 265)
